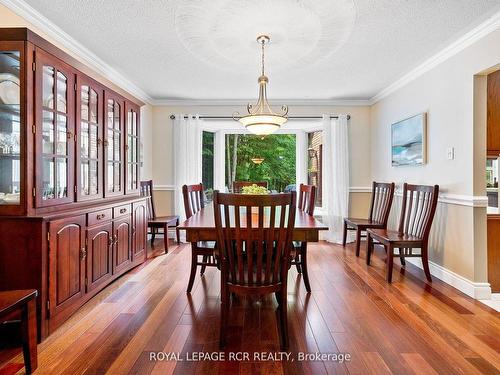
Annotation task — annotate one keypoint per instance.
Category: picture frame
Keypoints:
(409, 141)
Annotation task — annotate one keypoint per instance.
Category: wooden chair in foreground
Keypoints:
(193, 202)
(15, 304)
(380, 207)
(238, 185)
(417, 213)
(158, 222)
(255, 250)
(306, 202)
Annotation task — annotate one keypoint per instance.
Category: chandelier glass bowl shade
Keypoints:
(261, 119)
(257, 160)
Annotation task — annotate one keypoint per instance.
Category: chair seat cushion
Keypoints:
(386, 236)
(363, 223)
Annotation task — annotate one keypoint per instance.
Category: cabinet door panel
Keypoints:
(99, 255)
(66, 262)
(139, 232)
(122, 254)
(55, 130)
(89, 125)
(114, 144)
(132, 148)
(12, 123)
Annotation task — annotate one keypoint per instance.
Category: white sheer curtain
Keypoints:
(187, 155)
(335, 174)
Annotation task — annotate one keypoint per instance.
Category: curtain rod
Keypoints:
(172, 117)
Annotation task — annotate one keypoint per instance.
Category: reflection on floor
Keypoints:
(404, 328)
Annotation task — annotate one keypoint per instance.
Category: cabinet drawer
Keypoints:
(120, 211)
(98, 217)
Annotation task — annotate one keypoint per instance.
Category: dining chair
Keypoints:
(158, 222)
(238, 185)
(380, 207)
(417, 213)
(194, 201)
(254, 239)
(305, 203)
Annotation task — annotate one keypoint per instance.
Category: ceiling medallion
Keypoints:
(261, 119)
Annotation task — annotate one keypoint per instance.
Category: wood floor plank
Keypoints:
(409, 326)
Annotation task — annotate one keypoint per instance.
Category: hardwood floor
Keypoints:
(408, 327)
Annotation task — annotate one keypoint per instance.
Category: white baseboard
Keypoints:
(472, 289)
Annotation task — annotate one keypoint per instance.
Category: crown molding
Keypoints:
(244, 102)
(480, 31)
(88, 57)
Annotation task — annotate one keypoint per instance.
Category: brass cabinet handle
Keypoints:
(83, 254)
(105, 143)
(69, 135)
(100, 216)
(116, 239)
(99, 141)
(110, 241)
(123, 210)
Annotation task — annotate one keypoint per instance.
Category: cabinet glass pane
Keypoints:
(117, 116)
(110, 176)
(48, 87)
(93, 106)
(117, 148)
(85, 103)
(110, 145)
(62, 135)
(48, 132)
(130, 156)
(93, 141)
(62, 172)
(84, 136)
(134, 128)
(129, 122)
(117, 179)
(85, 178)
(93, 178)
(62, 92)
(10, 136)
(48, 178)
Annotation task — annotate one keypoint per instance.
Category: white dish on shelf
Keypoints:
(10, 92)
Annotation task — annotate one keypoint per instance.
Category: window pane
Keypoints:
(93, 106)
(48, 179)
(84, 136)
(111, 173)
(48, 87)
(93, 178)
(62, 135)
(315, 163)
(255, 159)
(207, 168)
(48, 132)
(62, 92)
(85, 103)
(93, 142)
(62, 182)
(85, 178)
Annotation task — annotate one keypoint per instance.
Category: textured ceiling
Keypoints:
(320, 49)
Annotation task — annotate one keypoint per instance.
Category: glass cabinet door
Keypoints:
(132, 148)
(11, 68)
(113, 145)
(89, 139)
(54, 100)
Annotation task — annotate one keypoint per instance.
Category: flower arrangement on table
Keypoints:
(254, 190)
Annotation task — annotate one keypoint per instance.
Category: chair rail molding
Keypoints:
(164, 187)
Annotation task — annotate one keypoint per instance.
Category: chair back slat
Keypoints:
(418, 209)
(307, 198)
(238, 185)
(194, 200)
(381, 202)
(147, 192)
(255, 237)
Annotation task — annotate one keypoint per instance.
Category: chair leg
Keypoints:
(204, 267)
(284, 321)
(29, 336)
(425, 263)
(303, 262)
(402, 257)
(165, 238)
(390, 261)
(178, 233)
(153, 235)
(224, 315)
(358, 241)
(369, 248)
(298, 261)
(194, 262)
(344, 238)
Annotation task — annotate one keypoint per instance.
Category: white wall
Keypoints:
(446, 93)
(147, 142)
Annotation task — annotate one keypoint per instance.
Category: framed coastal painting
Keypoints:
(409, 141)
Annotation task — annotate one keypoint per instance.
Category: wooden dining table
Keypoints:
(201, 226)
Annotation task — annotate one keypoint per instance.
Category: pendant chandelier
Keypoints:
(261, 119)
(257, 160)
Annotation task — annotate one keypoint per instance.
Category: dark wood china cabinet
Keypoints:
(71, 216)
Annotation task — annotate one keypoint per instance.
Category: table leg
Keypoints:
(29, 336)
